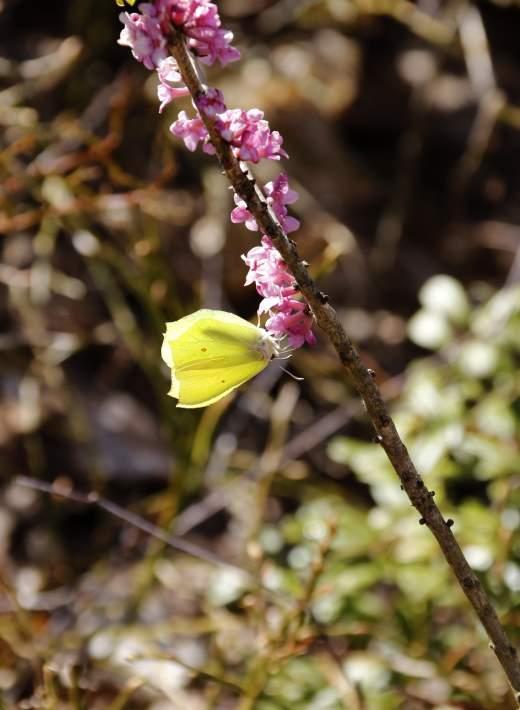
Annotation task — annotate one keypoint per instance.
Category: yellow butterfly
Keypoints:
(211, 353)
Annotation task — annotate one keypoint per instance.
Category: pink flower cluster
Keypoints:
(288, 317)
(278, 194)
(200, 22)
(147, 33)
(144, 35)
(250, 136)
(247, 132)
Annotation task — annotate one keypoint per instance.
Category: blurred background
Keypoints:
(292, 572)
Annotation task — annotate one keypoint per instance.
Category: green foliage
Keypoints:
(384, 585)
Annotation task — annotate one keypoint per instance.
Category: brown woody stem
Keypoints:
(326, 317)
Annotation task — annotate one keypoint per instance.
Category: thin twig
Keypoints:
(226, 680)
(305, 441)
(363, 380)
(491, 100)
(407, 13)
(64, 491)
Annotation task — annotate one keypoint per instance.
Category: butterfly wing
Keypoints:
(199, 389)
(210, 354)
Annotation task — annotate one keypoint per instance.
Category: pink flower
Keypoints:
(278, 195)
(268, 270)
(211, 103)
(147, 32)
(200, 22)
(192, 130)
(167, 94)
(143, 34)
(288, 317)
(242, 214)
(167, 72)
(294, 324)
(247, 132)
(250, 135)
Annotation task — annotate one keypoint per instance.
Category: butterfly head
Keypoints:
(273, 347)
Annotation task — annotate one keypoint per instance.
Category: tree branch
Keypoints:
(421, 498)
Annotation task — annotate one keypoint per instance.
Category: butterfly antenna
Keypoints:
(283, 357)
(295, 377)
